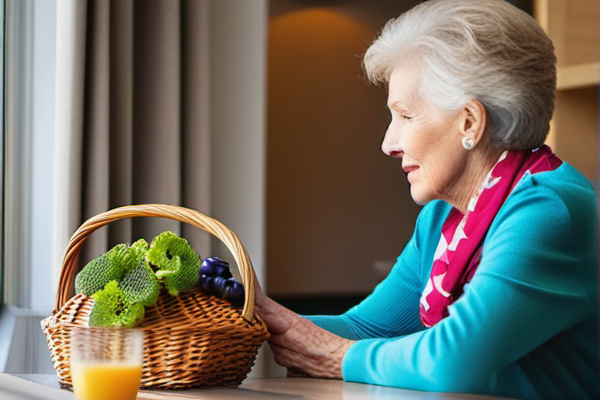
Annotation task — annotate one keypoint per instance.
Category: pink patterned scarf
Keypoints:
(459, 251)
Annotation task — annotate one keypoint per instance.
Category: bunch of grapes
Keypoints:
(216, 280)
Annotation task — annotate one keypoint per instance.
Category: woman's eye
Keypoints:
(406, 117)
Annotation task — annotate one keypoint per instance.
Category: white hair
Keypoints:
(487, 50)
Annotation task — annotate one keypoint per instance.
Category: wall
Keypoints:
(237, 112)
(336, 205)
(237, 115)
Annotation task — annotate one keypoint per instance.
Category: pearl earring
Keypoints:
(468, 143)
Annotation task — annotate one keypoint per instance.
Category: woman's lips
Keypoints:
(408, 169)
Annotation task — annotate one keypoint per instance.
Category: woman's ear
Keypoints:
(474, 120)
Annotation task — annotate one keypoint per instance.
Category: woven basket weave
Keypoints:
(191, 340)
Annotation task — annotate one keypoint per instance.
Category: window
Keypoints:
(27, 163)
(2, 26)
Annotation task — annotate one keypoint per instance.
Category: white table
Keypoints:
(45, 387)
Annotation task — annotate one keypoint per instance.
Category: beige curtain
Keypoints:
(132, 116)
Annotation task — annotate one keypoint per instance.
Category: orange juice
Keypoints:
(106, 381)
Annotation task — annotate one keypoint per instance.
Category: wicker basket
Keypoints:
(191, 340)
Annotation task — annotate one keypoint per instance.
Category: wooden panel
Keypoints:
(576, 129)
(580, 75)
(573, 27)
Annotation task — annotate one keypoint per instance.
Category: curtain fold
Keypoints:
(157, 110)
(144, 137)
(70, 73)
(121, 119)
(195, 116)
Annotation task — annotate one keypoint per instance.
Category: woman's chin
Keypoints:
(418, 196)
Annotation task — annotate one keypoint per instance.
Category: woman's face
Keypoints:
(425, 137)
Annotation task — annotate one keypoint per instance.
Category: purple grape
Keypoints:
(234, 292)
(219, 285)
(229, 289)
(207, 284)
(215, 266)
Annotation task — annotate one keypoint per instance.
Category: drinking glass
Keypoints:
(106, 363)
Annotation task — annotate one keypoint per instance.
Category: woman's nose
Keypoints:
(391, 144)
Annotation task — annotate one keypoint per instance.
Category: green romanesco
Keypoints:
(111, 309)
(110, 266)
(140, 285)
(139, 248)
(175, 262)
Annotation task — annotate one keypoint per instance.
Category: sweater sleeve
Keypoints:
(392, 309)
(530, 286)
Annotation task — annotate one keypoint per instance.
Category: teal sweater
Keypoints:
(526, 325)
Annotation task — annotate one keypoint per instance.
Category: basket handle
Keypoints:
(181, 214)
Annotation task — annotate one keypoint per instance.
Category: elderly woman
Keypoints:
(495, 293)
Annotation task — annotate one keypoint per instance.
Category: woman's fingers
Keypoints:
(322, 367)
(298, 343)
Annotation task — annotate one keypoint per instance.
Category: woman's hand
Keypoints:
(300, 345)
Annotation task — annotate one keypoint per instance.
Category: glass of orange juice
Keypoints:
(106, 363)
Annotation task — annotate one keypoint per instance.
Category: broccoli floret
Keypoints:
(175, 261)
(139, 249)
(110, 266)
(112, 310)
(140, 285)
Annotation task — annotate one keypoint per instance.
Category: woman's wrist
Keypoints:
(309, 348)
(299, 344)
